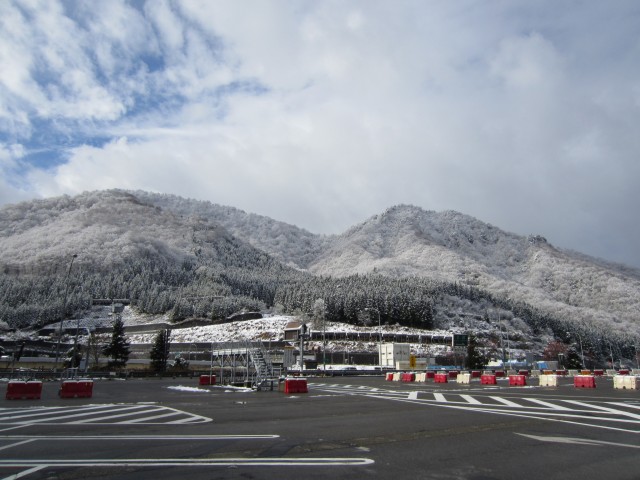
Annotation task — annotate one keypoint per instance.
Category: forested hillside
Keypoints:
(412, 267)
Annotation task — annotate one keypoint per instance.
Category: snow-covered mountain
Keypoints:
(110, 226)
(450, 246)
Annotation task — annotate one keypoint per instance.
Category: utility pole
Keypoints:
(302, 335)
(368, 309)
(64, 308)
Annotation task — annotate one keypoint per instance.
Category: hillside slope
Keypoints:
(450, 246)
(224, 246)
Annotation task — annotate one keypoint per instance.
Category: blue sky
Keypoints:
(323, 113)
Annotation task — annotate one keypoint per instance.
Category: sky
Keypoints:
(321, 114)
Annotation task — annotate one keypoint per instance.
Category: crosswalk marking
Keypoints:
(605, 409)
(619, 416)
(548, 404)
(506, 402)
(471, 399)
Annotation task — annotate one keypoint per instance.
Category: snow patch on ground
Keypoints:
(182, 388)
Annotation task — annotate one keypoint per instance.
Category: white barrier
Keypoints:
(397, 376)
(463, 378)
(548, 380)
(625, 381)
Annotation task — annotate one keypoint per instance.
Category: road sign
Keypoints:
(460, 340)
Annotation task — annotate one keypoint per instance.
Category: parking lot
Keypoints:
(343, 427)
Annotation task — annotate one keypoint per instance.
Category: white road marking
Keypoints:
(413, 396)
(552, 406)
(48, 411)
(25, 473)
(97, 414)
(79, 413)
(471, 400)
(592, 415)
(137, 437)
(506, 402)
(119, 415)
(181, 462)
(605, 409)
(578, 441)
(16, 444)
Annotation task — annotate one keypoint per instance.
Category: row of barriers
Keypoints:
(582, 380)
(32, 389)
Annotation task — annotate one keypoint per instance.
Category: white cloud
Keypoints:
(323, 113)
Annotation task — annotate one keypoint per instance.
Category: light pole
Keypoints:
(611, 352)
(324, 343)
(368, 309)
(64, 308)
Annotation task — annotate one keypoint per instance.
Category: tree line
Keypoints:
(226, 280)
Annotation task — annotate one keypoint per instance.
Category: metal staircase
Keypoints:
(262, 364)
(243, 362)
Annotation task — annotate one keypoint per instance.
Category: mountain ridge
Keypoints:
(402, 241)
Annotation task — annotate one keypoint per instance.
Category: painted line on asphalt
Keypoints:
(25, 473)
(177, 462)
(137, 437)
(98, 415)
(578, 441)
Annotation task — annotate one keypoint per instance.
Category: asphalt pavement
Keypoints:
(344, 427)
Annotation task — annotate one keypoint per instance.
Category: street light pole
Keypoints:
(64, 308)
(581, 350)
(324, 344)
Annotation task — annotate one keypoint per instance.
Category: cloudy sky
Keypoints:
(319, 113)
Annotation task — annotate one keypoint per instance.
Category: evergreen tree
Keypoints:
(573, 360)
(475, 358)
(73, 358)
(118, 348)
(160, 351)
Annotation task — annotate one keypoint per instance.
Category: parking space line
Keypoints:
(179, 462)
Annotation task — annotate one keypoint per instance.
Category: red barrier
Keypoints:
(295, 385)
(623, 372)
(431, 374)
(517, 380)
(476, 373)
(76, 389)
(389, 377)
(207, 379)
(440, 378)
(523, 372)
(561, 372)
(598, 372)
(584, 381)
(488, 380)
(20, 390)
(408, 377)
(453, 374)
(499, 373)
